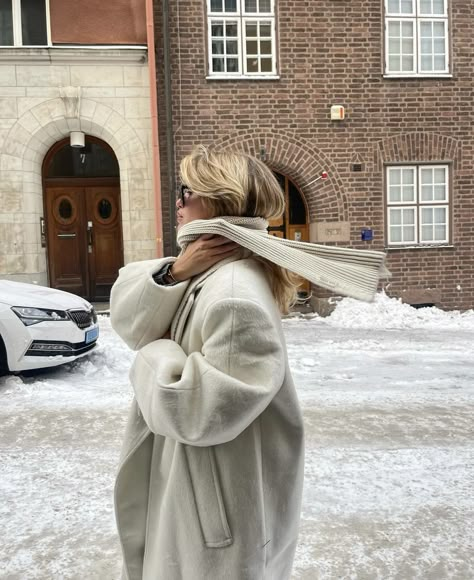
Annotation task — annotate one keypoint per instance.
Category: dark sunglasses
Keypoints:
(184, 193)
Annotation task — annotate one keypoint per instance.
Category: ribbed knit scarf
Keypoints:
(346, 271)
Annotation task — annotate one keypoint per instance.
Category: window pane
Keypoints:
(427, 233)
(400, 6)
(265, 29)
(265, 6)
(395, 176)
(407, 64)
(439, 63)
(216, 5)
(232, 65)
(217, 29)
(430, 7)
(440, 233)
(439, 215)
(426, 193)
(396, 217)
(426, 215)
(252, 47)
(395, 193)
(250, 5)
(33, 22)
(396, 234)
(266, 47)
(251, 29)
(231, 29)
(6, 23)
(231, 47)
(408, 216)
(217, 47)
(439, 175)
(218, 65)
(439, 193)
(231, 5)
(252, 65)
(266, 65)
(408, 234)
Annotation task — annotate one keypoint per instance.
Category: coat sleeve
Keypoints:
(210, 397)
(140, 310)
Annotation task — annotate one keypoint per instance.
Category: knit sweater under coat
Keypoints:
(210, 481)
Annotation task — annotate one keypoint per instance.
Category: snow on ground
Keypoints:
(388, 397)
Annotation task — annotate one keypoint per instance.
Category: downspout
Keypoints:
(169, 126)
(150, 36)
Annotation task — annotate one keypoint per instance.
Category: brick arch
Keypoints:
(410, 147)
(302, 163)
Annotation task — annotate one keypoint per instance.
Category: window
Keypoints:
(24, 22)
(241, 38)
(418, 204)
(416, 37)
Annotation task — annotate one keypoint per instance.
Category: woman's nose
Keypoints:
(179, 203)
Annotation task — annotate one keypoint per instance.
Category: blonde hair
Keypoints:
(236, 184)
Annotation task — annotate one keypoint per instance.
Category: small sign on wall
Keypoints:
(329, 232)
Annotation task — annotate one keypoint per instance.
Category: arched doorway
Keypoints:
(83, 218)
(294, 224)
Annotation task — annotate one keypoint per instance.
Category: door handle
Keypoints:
(89, 237)
(66, 235)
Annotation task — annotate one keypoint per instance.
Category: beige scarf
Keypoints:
(346, 271)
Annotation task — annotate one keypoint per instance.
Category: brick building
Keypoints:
(263, 75)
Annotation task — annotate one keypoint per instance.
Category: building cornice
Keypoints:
(69, 54)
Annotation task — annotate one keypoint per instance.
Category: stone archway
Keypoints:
(21, 158)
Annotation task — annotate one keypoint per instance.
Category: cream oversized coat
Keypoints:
(210, 481)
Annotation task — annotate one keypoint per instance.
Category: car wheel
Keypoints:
(3, 358)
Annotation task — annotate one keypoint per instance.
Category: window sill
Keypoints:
(243, 78)
(74, 54)
(420, 247)
(418, 76)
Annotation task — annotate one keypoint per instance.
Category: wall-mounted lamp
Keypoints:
(77, 139)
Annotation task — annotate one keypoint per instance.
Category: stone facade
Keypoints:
(111, 89)
(331, 53)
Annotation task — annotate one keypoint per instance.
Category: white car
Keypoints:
(43, 327)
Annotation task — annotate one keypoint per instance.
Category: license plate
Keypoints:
(92, 334)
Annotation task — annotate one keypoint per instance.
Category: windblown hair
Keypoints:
(236, 184)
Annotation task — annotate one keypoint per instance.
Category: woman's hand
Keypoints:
(200, 255)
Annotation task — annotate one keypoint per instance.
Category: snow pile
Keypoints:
(391, 313)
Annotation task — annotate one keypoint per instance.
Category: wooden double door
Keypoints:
(84, 238)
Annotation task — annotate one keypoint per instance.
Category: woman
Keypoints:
(210, 482)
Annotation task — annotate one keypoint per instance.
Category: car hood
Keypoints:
(32, 295)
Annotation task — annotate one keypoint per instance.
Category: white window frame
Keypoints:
(418, 206)
(242, 17)
(417, 18)
(17, 28)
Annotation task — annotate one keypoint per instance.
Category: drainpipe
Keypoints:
(169, 125)
(150, 36)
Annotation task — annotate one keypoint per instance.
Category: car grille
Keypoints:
(83, 318)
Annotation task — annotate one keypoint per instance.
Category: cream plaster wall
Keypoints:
(114, 106)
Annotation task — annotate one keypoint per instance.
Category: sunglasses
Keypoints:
(184, 193)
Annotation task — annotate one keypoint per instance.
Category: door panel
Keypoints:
(84, 239)
(105, 252)
(66, 240)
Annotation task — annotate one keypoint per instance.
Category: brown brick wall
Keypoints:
(331, 52)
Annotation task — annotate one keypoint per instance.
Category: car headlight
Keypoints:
(31, 316)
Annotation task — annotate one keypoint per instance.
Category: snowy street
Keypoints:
(388, 398)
